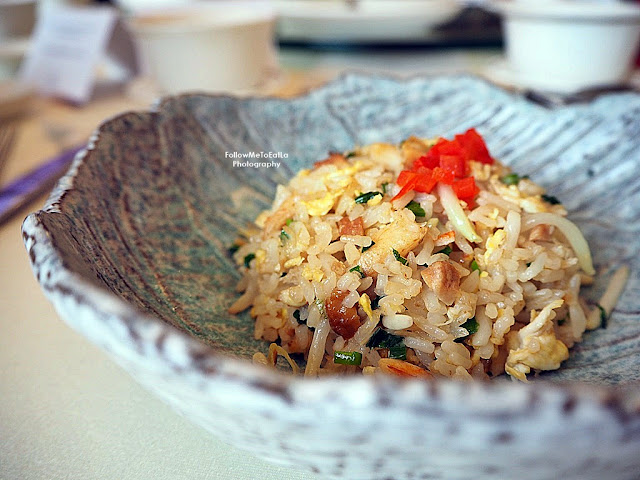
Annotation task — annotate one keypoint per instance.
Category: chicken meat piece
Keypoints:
(443, 279)
(402, 235)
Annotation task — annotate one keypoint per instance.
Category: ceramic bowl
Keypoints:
(568, 45)
(230, 45)
(131, 248)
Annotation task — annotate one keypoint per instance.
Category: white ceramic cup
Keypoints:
(566, 46)
(221, 46)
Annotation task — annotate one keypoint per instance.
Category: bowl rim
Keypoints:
(59, 283)
(591, 11)
(201, 16)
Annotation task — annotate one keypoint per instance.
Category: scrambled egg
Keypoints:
(493, 242)
(536, 346)
(528, 203)
(337, 182)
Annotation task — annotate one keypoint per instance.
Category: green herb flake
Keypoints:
(399, 257)
(470, 326)
(284, 236)
(364, 249)
(347, 358)
(399, 353)
(248, 258)
(551, 199)
(446, 250)
(233, 248)
(384, 187)
(474, 265)
(296, 315)
(320, 304)
(562, 321)
(383, 339)
(350, 154)
(415, 207)
(512, 179)
(375, 303)
(604, 318)
(288, 222)
(359, 270)
(365, 197)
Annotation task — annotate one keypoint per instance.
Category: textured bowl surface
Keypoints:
(132, 250)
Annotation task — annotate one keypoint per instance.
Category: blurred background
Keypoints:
(155, 47)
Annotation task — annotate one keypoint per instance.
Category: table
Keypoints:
(66, 410)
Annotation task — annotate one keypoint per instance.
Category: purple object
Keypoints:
(26, 188)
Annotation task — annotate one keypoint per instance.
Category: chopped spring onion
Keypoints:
(474, 265)
(248, 258)
(399, 353)
(455, 213)
(446, 250)
(603, 316)
(470, 326)
(365, 197)
(233, 248)
(364, 249)
(288, 222)
(350, 154)
(358, 269)
(570, 231)
(296, 315)
(399, 257)
(383, 339)
(551, 199)
(415, 207)
(512, 179)
(284, 236)
(347, 358)
(384, 187)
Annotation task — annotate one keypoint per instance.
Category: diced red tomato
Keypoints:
(410, 185)
(474, 146)
(447, 162)
(429, 160)
(465, 188)
(454, 164)
(404, 177)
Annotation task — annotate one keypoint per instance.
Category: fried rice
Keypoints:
(424, 259)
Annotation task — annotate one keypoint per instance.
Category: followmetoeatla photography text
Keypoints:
(253, 159)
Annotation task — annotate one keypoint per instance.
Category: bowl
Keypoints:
(392, 21)
(230, 45)
(567, 45)
(131, 249)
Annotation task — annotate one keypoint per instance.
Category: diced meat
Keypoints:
(541, 232)
(445, 238)
(403, 235)
(401, 368)
(343, 320)
(351, 227)
(413, 148)
(443, 279)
